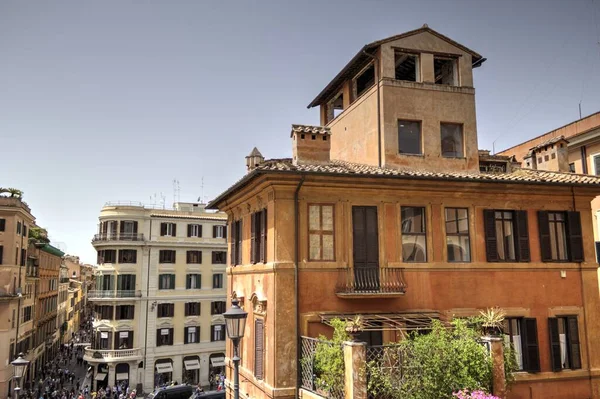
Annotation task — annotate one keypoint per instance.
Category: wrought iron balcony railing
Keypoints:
(111, 294)
(118, 237)
(370, 281)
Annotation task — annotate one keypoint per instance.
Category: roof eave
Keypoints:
(214, 204)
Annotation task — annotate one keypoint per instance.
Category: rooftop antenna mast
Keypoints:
(202, 190)
(163, 200)
(176, 191)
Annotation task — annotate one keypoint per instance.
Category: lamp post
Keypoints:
(236, 323)
(19, 367)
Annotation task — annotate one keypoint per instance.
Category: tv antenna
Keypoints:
(176, 191)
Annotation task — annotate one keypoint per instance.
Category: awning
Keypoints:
(217, 361)
(122, 376)
(100, 376)
(192, 364)
(409, 321)
(164, 367)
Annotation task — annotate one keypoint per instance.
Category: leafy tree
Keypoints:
(329, 359)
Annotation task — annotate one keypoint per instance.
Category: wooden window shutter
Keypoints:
(522, 227)
(263, 236)
(198, 333)
(121, 227)
(114, 228)
(555, 360)
(574, 347)
(185, 330)
(240, 226)
(253, 238)
(135, 227)
(116, 341)
(170, 336)
(174, 230)
(544, 227)
(163, 229)
(2, 224)
(491, 243)
(158, 337)
(225, 232)
(172, 282)
(214, 231)
(189, 228)
(233, 244)
(575, 238)
(530, 347)
(259, 338)
(199, 230)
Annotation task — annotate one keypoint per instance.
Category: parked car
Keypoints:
(174, 392)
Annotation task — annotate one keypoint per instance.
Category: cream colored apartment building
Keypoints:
(159, 295)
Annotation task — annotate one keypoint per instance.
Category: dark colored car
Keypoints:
(175, 392)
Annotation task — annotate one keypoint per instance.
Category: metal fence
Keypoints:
(385, 366)
(313, 379)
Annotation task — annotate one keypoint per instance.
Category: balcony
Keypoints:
(102, 237)
(114, 294)
(107, 355)
(32, 271)
(370, 282)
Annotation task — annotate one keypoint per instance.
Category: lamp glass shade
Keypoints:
(235, 319)
(19, 366)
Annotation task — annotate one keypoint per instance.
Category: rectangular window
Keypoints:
(406, 66)
(572, 167)
(128, 230)
(564, 343)
(457, 235)
(452, 140)
(409, 137)
(236, 242)
(18, 227)
(335, 107)
(219, 231)
(166, 281)
(1, 254)
(104, 339)
(259, 348)
(192, 335)
(193, 282)
(2, 224)
(194, 257)
(168, 229)
(107, 256)
(506, 236)
(165, 310)
(164, 336)
(104, 312)
(219, 257)
(217, 307)
(258, 237)
(217, 332)
(126, 282)
(414, 234)
(560, 236)
(166, 256)
(13, 320)
(321, 245)
(218, 280)
(445, 71)
(125, 312)
(596, 162)
(192, 309)
(24, 230)
(123, 339)
(521, 334)
(27, 314)
(365, 80)
(127, 256)
(194, 230)
(23, 256)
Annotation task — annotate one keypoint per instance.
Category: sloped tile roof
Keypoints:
(308, 129)
(549, 142)
(341, 168)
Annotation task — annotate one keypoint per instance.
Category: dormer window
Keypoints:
(445, 71)
(406, 66)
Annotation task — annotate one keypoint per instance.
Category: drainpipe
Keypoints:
(296, 261)
(376, 63)
(19, 297)
(147, 296)
(587, 340)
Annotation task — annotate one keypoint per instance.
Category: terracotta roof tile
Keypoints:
(519, 176)
(310, 129)
(548, 142)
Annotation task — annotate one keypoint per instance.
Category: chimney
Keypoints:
(551, 155)
(254, 159)
(310, 145)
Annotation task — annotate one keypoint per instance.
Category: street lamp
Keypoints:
(236, 323)
(19, 367)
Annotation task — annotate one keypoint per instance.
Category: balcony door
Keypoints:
(366, 248)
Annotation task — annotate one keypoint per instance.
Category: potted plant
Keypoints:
(355, 326)
(492, 320)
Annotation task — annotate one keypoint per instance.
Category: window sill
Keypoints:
(411, 155)
(459, 158)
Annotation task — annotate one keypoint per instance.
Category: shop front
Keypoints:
(164, 372)
(191, 367)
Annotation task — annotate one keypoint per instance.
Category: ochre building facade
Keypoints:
(390, 212)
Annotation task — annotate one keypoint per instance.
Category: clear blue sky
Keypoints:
(112, 100)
